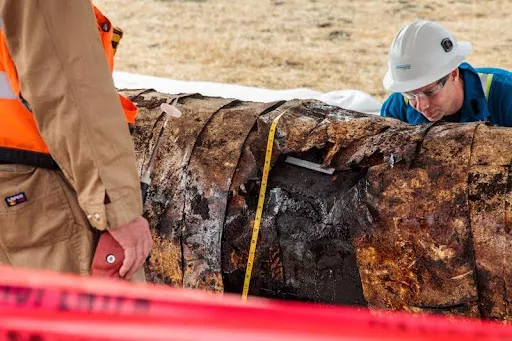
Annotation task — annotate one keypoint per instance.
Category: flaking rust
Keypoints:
(166, 203)
(490, 193)
(210, 171)
(414, 218)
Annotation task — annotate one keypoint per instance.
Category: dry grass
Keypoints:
(320, 44)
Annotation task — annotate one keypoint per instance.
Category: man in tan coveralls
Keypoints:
(51, 216)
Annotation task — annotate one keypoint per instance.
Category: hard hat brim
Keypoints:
(463, 50)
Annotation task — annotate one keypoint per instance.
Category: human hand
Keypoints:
(135, 239)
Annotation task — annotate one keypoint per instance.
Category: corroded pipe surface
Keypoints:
(414, 218)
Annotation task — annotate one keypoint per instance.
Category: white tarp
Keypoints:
(348, 99)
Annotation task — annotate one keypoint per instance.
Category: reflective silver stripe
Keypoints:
(486, 80)
(483, 80)
(5, 88)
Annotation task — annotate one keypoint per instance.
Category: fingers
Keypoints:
(139, 262)
(140, 252)
(129, 261)
(136, 240)
(148, 244)
(136, 263)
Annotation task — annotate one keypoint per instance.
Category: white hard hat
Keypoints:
(421, 53)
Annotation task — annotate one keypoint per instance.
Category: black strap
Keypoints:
(25, 157)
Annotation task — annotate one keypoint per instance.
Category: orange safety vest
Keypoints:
(20, 140)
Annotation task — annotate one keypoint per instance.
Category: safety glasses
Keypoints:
(428, 93)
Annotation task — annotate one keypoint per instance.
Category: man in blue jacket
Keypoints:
(431, 81)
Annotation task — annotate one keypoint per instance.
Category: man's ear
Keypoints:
(455, 74)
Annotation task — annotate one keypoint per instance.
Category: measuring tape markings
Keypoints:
(259, 209)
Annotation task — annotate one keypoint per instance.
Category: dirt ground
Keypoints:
(324, 45)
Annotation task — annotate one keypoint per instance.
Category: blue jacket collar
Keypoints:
(474, 108)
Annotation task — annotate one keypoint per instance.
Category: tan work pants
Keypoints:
(49, 230)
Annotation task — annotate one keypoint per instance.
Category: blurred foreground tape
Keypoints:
(48, 306)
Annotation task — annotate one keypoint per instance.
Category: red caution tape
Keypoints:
(37, 306)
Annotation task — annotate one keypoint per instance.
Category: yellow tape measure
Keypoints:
(259, 209)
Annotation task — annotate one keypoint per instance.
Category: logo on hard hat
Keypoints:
(447, 44)
(403, 67)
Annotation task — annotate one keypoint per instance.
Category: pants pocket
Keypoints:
(34, 211)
